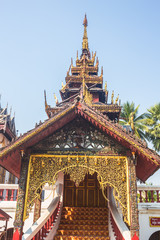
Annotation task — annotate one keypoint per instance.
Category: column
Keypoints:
(134, 228)
(18, 223)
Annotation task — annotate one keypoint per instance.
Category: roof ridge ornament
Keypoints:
(85, 38)
(45, 99)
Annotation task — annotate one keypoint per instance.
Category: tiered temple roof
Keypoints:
(83, 81)
(7, 124)
(83, 104)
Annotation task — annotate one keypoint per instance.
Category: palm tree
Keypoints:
(153, 123)
(129, 116)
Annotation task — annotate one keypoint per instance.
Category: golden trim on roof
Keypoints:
(123, 137)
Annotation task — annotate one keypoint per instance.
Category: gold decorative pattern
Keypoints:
(85, 38)
(111, 170)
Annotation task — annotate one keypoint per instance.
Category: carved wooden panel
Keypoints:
(69, 197)
(91, 197)
(80, 197)
(80, 136)
(87, 194)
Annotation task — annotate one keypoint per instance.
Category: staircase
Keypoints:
(83, 223)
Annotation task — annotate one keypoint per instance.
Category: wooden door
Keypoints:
(87, 194)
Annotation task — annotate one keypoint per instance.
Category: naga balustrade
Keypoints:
(118, 227)
(42, 233)
(117, 232)
(48, 223)
(148, 193)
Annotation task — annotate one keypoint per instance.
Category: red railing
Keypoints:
(8, 192)
(42, 233)
(116, 230)
(148, 193)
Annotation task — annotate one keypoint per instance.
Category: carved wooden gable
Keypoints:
(79, 136)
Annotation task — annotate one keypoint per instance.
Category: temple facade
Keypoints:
(83, 151)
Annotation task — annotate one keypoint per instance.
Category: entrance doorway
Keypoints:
(87, 194)
(155, 236)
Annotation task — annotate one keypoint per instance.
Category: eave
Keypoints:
(10, 157)
(147, 160)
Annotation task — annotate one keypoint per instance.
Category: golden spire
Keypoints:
(77, 54)
(116, 101)
(63, 85)
(56, 99)
(102, 73)
(105, 87)
(112, 98)
(85, 38)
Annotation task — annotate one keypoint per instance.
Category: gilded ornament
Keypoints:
(112, 98)
(116, 101)
(110, 174)
(56, 99)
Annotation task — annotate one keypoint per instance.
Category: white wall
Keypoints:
(10, 207)
(147, 210)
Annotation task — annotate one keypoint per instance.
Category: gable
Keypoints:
(148, 161)
(79, 136)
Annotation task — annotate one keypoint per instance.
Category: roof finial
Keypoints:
(77, 54)
(85, 22)
(56, 99)
(45, 99)
(112, 98)
(85, 38)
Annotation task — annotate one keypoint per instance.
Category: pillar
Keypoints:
(18, 223)
(134, 228)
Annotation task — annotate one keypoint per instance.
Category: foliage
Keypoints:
(152, 122)
(129, 116)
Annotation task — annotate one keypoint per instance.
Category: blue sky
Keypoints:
(38, 39)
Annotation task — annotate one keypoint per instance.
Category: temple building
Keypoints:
(89, 161)
(7, 135)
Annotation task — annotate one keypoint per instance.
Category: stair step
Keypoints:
(86, 217)
(78, 213)
(84, 222)
(85, 210)
(72, 237)
(83, 227)
(83, 233)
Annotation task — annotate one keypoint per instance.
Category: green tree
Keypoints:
(152, 122)
(129, 116)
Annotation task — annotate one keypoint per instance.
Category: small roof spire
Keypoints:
(45, 99)
(85, 38)
(85, 22)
